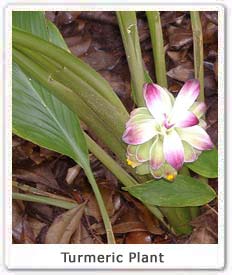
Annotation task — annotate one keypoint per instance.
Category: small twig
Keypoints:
(212, 209)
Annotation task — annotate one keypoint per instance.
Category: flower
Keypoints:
(167, 132)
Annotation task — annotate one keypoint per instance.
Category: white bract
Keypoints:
(168, 132)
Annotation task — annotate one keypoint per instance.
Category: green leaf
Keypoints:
(42, 119)
(184, 191)
(38, 116)
(206, 165)
(31, 21)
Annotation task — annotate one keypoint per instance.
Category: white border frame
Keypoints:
(215, 253)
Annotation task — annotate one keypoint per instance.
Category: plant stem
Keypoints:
(128, 27)
(198, 51)
(44, 200)
(38, 192)
(155, 27)
(105, 217)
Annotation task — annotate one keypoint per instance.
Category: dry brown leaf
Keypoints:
(182, 72)
(178, 57)
(82, 236)
(17, 214)
(80, 47)
(120, 85)
(66, 17)
(211, 16)
(205, 228)
(143, 30)
(179, 38)
(202, 235)
(101, 60)
(22, 151)
(126, 227)
(92, 208)
(40, 211)
(144, 215)
(36, 226)
(168, 17)
(64, 226)
(105, 17)
(21, 228)
(41, 174)
(28, 236)
(138, 238)
(109, 198)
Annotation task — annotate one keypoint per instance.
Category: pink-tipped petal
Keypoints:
(198, 108)
(187, 119)
(157, 154)
(187, 95)
(196, 136)
(157, 100)
(173, 150)
(140, 133)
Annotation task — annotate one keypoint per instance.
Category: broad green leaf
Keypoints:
(36, 23)
(184, 191)
(31, 21)
(206, 165)
(42, 119)
(38, 116)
